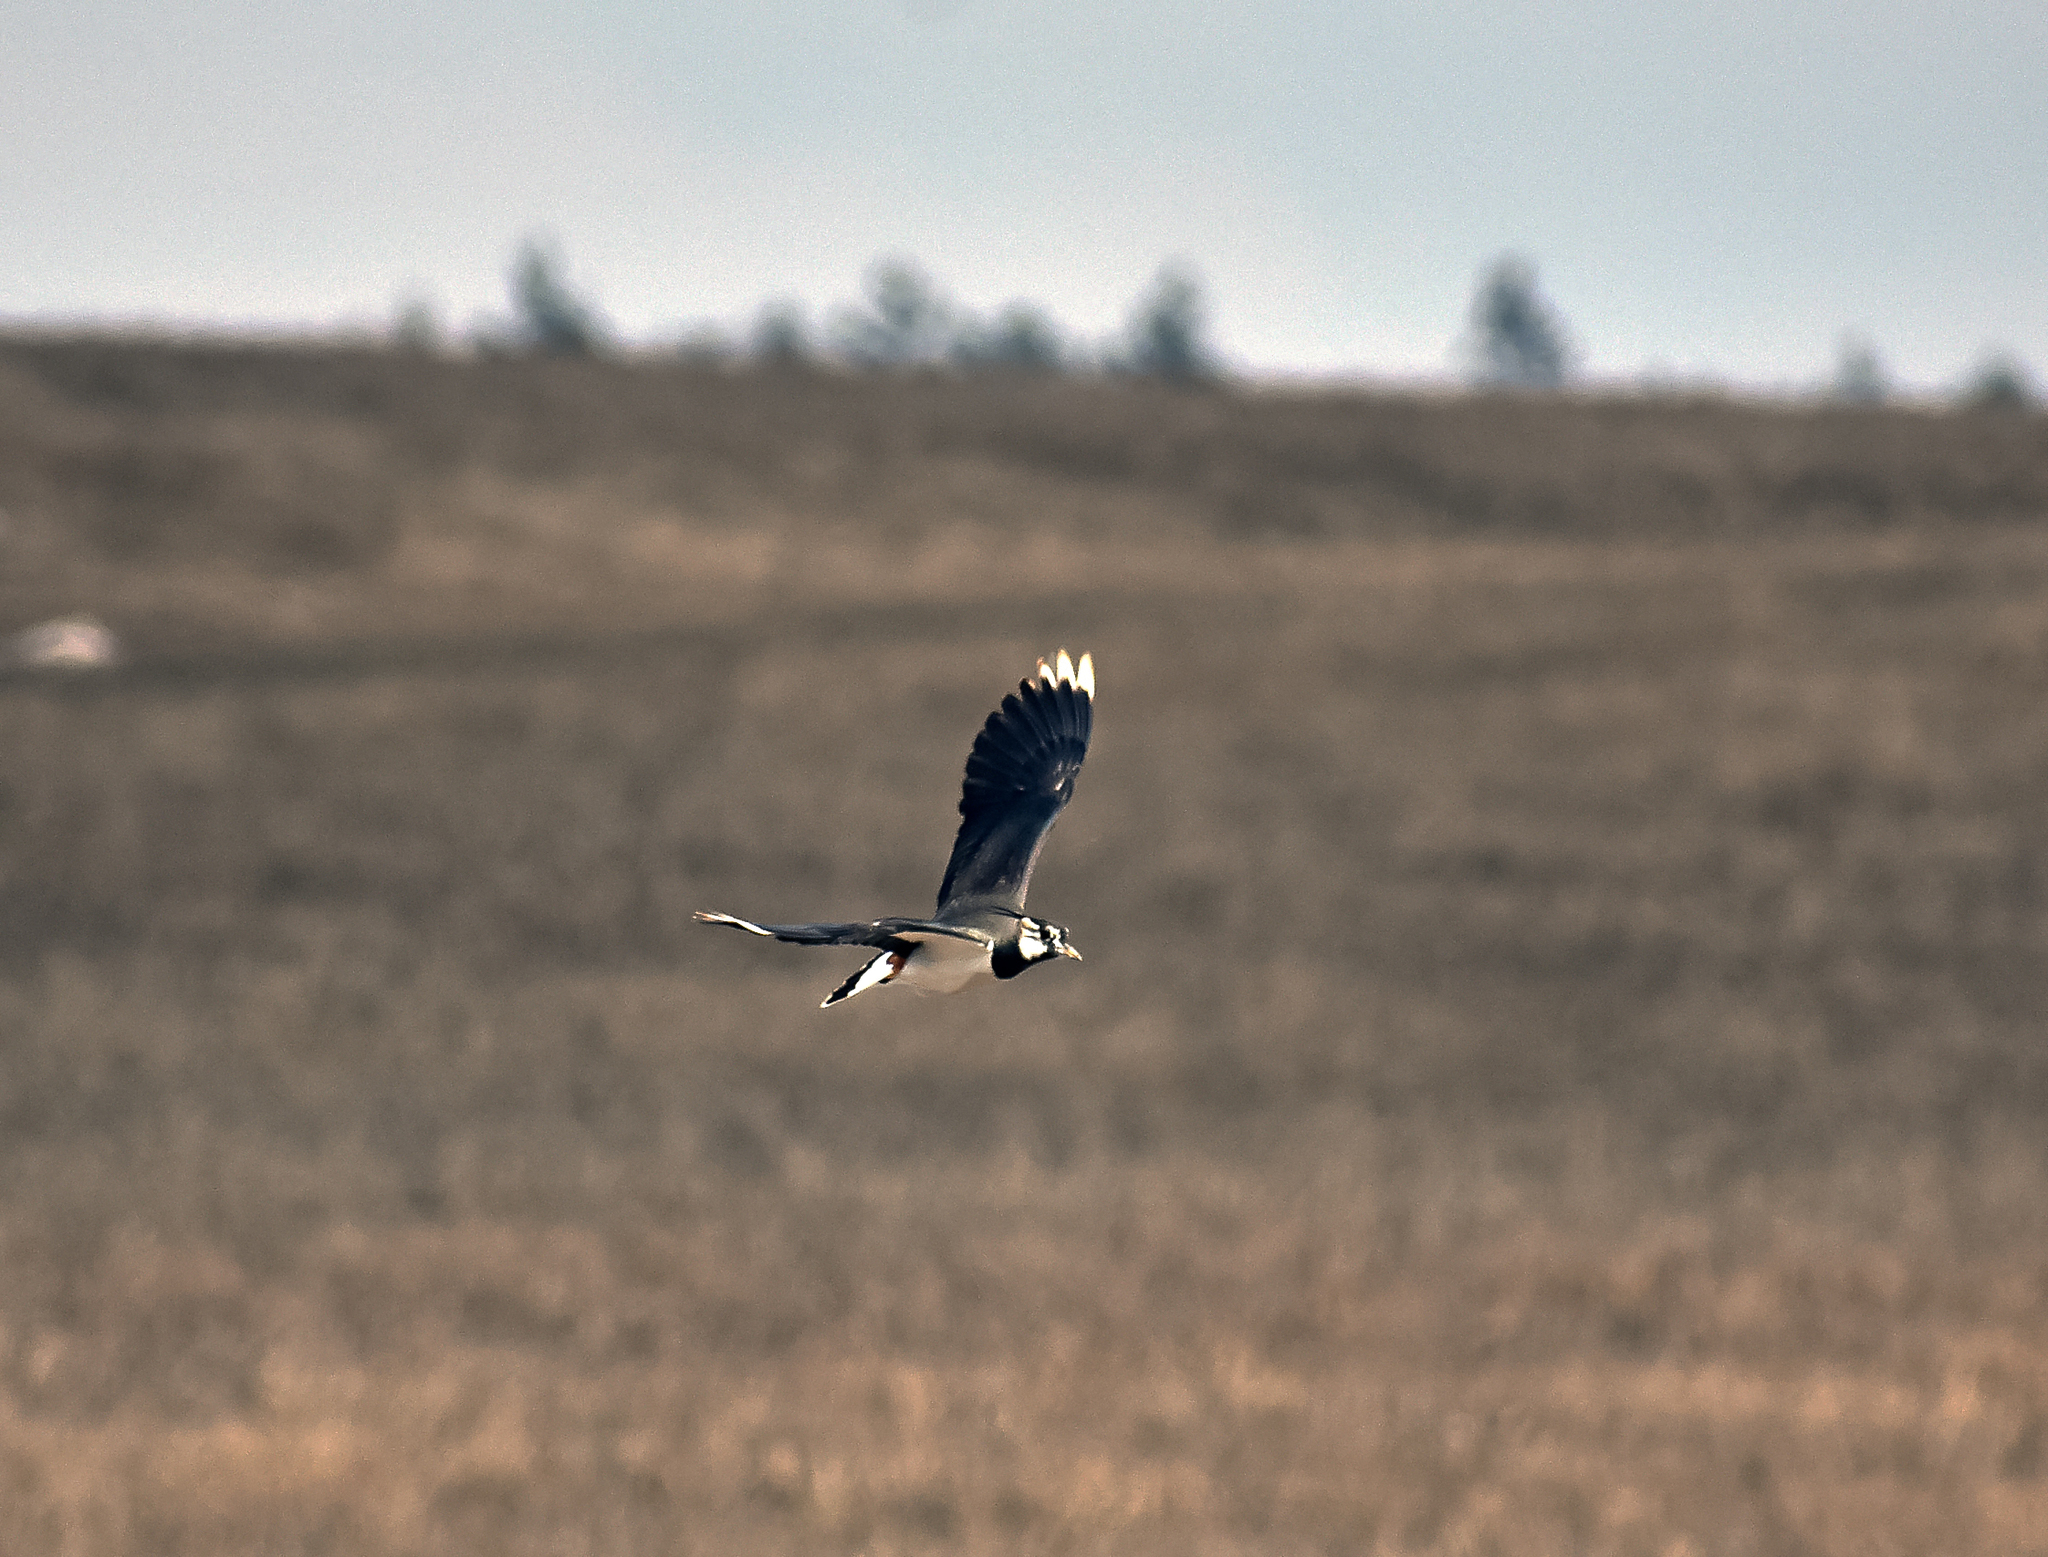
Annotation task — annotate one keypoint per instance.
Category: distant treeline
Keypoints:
(904, 320)
(1515, 337)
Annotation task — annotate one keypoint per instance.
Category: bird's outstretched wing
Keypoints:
(897, 935)
(1020, 775)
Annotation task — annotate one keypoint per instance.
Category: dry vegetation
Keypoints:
(1559, 1066)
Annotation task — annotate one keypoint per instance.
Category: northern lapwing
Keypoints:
(1020, 776)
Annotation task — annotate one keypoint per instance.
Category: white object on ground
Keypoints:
(68, 642)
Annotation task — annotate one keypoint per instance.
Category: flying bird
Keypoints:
(1020, 776)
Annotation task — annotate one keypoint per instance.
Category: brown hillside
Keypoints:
(1559, 1066)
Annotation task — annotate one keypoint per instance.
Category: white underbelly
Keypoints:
(944, 965)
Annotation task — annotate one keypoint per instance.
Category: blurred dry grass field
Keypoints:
(1559, 1067)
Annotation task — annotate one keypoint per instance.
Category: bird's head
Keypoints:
(1040, 941)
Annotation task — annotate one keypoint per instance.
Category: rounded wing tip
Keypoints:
(1064, 671)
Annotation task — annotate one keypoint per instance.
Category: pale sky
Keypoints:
(1722, 192)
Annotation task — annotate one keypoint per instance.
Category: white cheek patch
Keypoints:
(1029, 944)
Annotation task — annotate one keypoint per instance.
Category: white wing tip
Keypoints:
(704, 916)
(1065, 672)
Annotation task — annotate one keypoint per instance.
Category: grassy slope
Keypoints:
(1558, 1066)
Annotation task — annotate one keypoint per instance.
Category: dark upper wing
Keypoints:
(1020, 775)
(887, 934)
